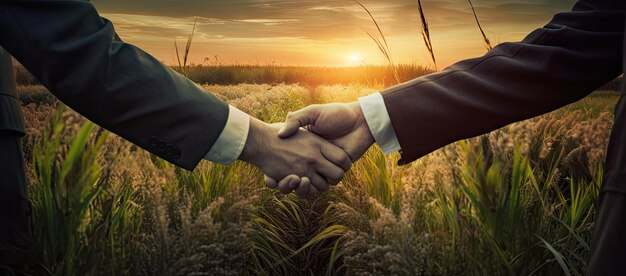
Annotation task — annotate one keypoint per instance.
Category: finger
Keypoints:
(297, 119)
(330, 172)
(303, 190)
(271, 182)
(312, 190)
(288, 184)
(320, 183)
(336, 155)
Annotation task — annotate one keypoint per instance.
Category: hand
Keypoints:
(303, 153)
(342, 124)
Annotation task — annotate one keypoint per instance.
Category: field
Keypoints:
(518, 201)
(370, 75)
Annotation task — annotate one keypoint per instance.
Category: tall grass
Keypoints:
(517, 201)
(369, 75)
(425, 32)
(77, 220)
(480, 27)
(182, 66)
(380, 41)
(517, 220)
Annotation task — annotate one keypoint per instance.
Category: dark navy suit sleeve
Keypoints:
(76, 54)
(558, 64)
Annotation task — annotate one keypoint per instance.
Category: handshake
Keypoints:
(312, 150)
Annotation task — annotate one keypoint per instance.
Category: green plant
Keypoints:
(517, 201)
(75, 215)
(296, 236)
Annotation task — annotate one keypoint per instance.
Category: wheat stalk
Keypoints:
(485, 39)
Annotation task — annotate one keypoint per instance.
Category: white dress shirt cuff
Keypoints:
(377, 117)
(231, 141)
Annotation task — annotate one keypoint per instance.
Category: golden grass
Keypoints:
(516, 201)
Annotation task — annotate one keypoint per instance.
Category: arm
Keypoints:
(561, 63)
(80, 59)
(571, 56)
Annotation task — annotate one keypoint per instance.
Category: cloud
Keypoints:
(325, 23)
(323, 19)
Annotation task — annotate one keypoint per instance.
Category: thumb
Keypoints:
(297, 119)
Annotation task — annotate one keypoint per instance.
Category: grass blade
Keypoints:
(425, 31)
(559, 257)
(485, 39)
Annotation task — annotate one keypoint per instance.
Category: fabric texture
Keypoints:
(11, 118)
(232, 140)
(12, 176)
(78, 56)
(379, 123)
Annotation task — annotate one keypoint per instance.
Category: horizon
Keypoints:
(321, 33)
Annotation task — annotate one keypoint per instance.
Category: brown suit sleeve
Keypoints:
(574, 54)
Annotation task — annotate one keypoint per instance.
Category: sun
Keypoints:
(356, 58)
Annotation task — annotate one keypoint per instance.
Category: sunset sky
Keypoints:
(322, 32)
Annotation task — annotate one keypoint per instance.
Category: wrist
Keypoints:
(361, 124)
(256, 143)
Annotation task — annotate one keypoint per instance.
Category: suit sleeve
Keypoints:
(564, 61)
(77, 55)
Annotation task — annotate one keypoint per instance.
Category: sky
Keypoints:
(321, 32)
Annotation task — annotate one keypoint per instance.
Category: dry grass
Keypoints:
(502, 203)
(486, 40)
(425, 32)
(235, 74)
